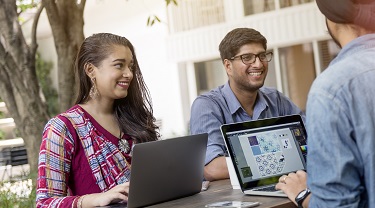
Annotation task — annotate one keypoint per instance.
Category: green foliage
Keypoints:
(2, 134)
(17, 194)
(171, 1)
(43, 70)
(17, 132)
(24, 5)
(151, 20)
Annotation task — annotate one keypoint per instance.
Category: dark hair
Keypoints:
(134, 113)
(238, 37)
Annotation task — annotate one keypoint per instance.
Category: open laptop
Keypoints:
(166, 169)
(263, 150)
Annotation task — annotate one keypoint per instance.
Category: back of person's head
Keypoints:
(357, 12)
(237, 38)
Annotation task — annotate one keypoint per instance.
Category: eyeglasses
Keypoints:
(250, 58)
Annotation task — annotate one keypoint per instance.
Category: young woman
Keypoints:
(85, 154)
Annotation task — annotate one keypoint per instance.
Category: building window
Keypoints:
(258, 6)
(271, 75)
(289, 3)
(209, 75)
(297, 72)
(191, 14)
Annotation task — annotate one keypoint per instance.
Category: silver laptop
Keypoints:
(263, 150)
(166, 169)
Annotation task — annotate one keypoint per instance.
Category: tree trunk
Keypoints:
(18, 82)
(19, 86)
(66, 20)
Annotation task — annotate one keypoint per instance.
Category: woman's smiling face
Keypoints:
(115, 72)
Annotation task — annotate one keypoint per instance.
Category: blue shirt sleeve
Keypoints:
(220, 106)
(206, 117)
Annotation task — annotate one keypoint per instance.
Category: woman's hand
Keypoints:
(292, 184)
(117, 194)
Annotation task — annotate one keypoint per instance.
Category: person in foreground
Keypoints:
(341, 116)
(85, 154)
(245, 58)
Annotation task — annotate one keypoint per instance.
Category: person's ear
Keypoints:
(89, 69)
(228, 66)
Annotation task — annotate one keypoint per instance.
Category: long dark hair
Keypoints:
(134, 113)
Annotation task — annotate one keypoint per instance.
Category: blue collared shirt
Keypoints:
(220, 106)
(341, 129)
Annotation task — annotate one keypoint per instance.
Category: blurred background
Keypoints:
(179, 56)
(176, 43)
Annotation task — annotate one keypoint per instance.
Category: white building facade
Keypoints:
(179, 57)
(295, 30)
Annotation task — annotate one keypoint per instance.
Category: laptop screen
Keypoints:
(263, 150)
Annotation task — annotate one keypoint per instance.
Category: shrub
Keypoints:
(18, 194)
(2, 134)
(43, 70)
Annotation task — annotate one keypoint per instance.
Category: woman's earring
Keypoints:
(94, 93)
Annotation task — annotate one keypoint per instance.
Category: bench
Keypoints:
(12, 156)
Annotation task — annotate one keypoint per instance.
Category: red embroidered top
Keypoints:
(77, 157)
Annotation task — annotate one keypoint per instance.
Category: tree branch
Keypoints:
(13, 43)
(56, 20)
(6, 92)
(6, 60)
(81, 5)
(34, 45)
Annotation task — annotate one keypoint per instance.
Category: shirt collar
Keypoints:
(260, 104)
(232, 101)
(234, 104)
(365, 41)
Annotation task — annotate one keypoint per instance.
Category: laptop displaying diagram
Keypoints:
(263, 150)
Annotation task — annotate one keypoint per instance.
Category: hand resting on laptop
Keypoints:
(292, 184)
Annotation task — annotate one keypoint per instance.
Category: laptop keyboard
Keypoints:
(269, 188)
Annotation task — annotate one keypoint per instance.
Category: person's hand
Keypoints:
(292, 184)
(117, 194)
